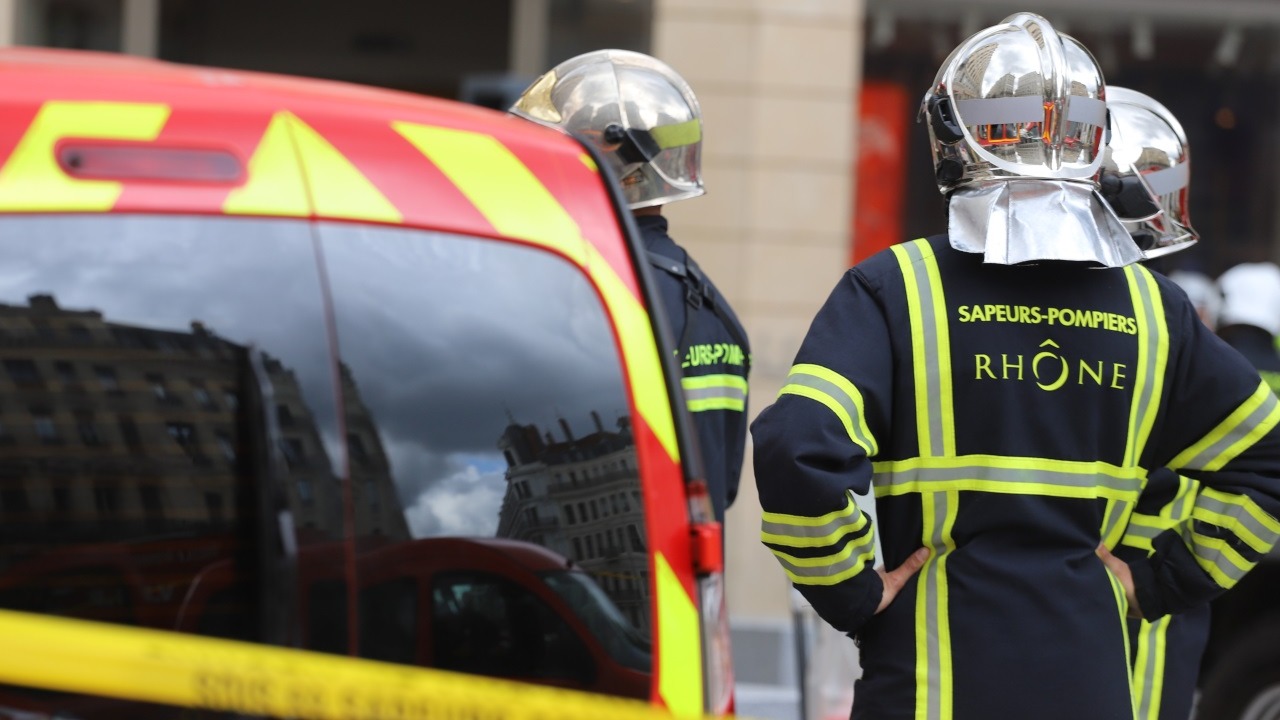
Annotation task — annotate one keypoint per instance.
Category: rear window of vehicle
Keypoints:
(169, 385)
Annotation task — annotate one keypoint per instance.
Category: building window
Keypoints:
(46, 430)
(582, 511)
(23, 373)
(152, 505)
(161, 392)
(106, 499)
(577, 549)
(636, 544)
(184, 434)
(568, 514)
(291, 448)
(213, 503)
(202, 397)
(284, 415)
(226, 446)
(107, 378)
(591, 546)
(87, 429)
(66, 372)
(595, 511)
(129, 431)
(613, 503)
(304, 491)
(359, 453)
(626, 506)
(79, 333)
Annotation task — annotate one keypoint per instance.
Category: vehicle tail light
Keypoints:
(707, 545)
(137, 161)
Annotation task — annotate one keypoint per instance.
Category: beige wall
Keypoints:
(777, 80)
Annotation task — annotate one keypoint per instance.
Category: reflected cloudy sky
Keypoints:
(446, 337)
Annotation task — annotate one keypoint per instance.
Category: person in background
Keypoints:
(646, 122)
(1145, 179)
(1203, 292)
(1007, 389)
(1250, 319)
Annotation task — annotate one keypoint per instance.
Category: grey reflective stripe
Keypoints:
(1001, 111)
(711, 392)
(1241, 516)
(932, 608)
(848, 520)
(1219, 559)
(812, 571)
(1013, 476)
(1233, 436)
(1151, 379)
(1168, 180)
(831, 390)
(1153, 636)
(1118, 509)
(1143, 531)
(1084, 109)
(929, 331)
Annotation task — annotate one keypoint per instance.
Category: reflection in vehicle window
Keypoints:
(485, 397)
(130, 487)
(127, 471)
(601, 616)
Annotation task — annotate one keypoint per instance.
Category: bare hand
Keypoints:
(893, 581)
(1120, 569)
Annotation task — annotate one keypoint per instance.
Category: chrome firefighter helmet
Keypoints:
(1146, 173)
(638, 111)
(1016, 100)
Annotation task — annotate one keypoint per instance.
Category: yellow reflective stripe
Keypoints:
(506, 192)
(174, 669)
(715, 392)
(591, 164)
(829, 569)
(1221, 561)
(714, 381)
(639, 351)
(1180, 507)
(1122, 604)
(677, 134)
(809, 531)
(1153, 356)
(1148, 671)
(1232, 518)
(1143, 529)
(930, 347)
(679, 656)
(1267, 525)
(1011, 475)
(933, 627)
(275, 185)
(839, 395)
(32, 181)
(809, 537)
(1117, 514)
(1255, 417)
(338, 189)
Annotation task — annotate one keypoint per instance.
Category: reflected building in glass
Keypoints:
(580, 497)
(113, 432)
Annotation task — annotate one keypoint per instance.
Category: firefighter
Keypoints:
(1203, 293)
(1006, 390)
(1145, 176)
(1250, 319)
(645, 120)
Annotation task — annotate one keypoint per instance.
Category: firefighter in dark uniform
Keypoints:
(1145, 176)
(645, 119)
(1006, 391)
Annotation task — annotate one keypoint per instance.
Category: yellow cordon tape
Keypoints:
(190, 671)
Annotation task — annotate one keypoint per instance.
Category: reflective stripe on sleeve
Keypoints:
(1255, 417)
(715, 392)
(1217, 558)
(1153, 356)
(819, 531)
(1240, 515)
(839, 396)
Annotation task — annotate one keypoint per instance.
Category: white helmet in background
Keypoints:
(1203, 293)
(1146, 173)
(1017, 121)
(1251, 296)
(638, 111)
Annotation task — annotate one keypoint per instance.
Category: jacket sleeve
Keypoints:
(736, 428)
(1221, 432)
(813, 450)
